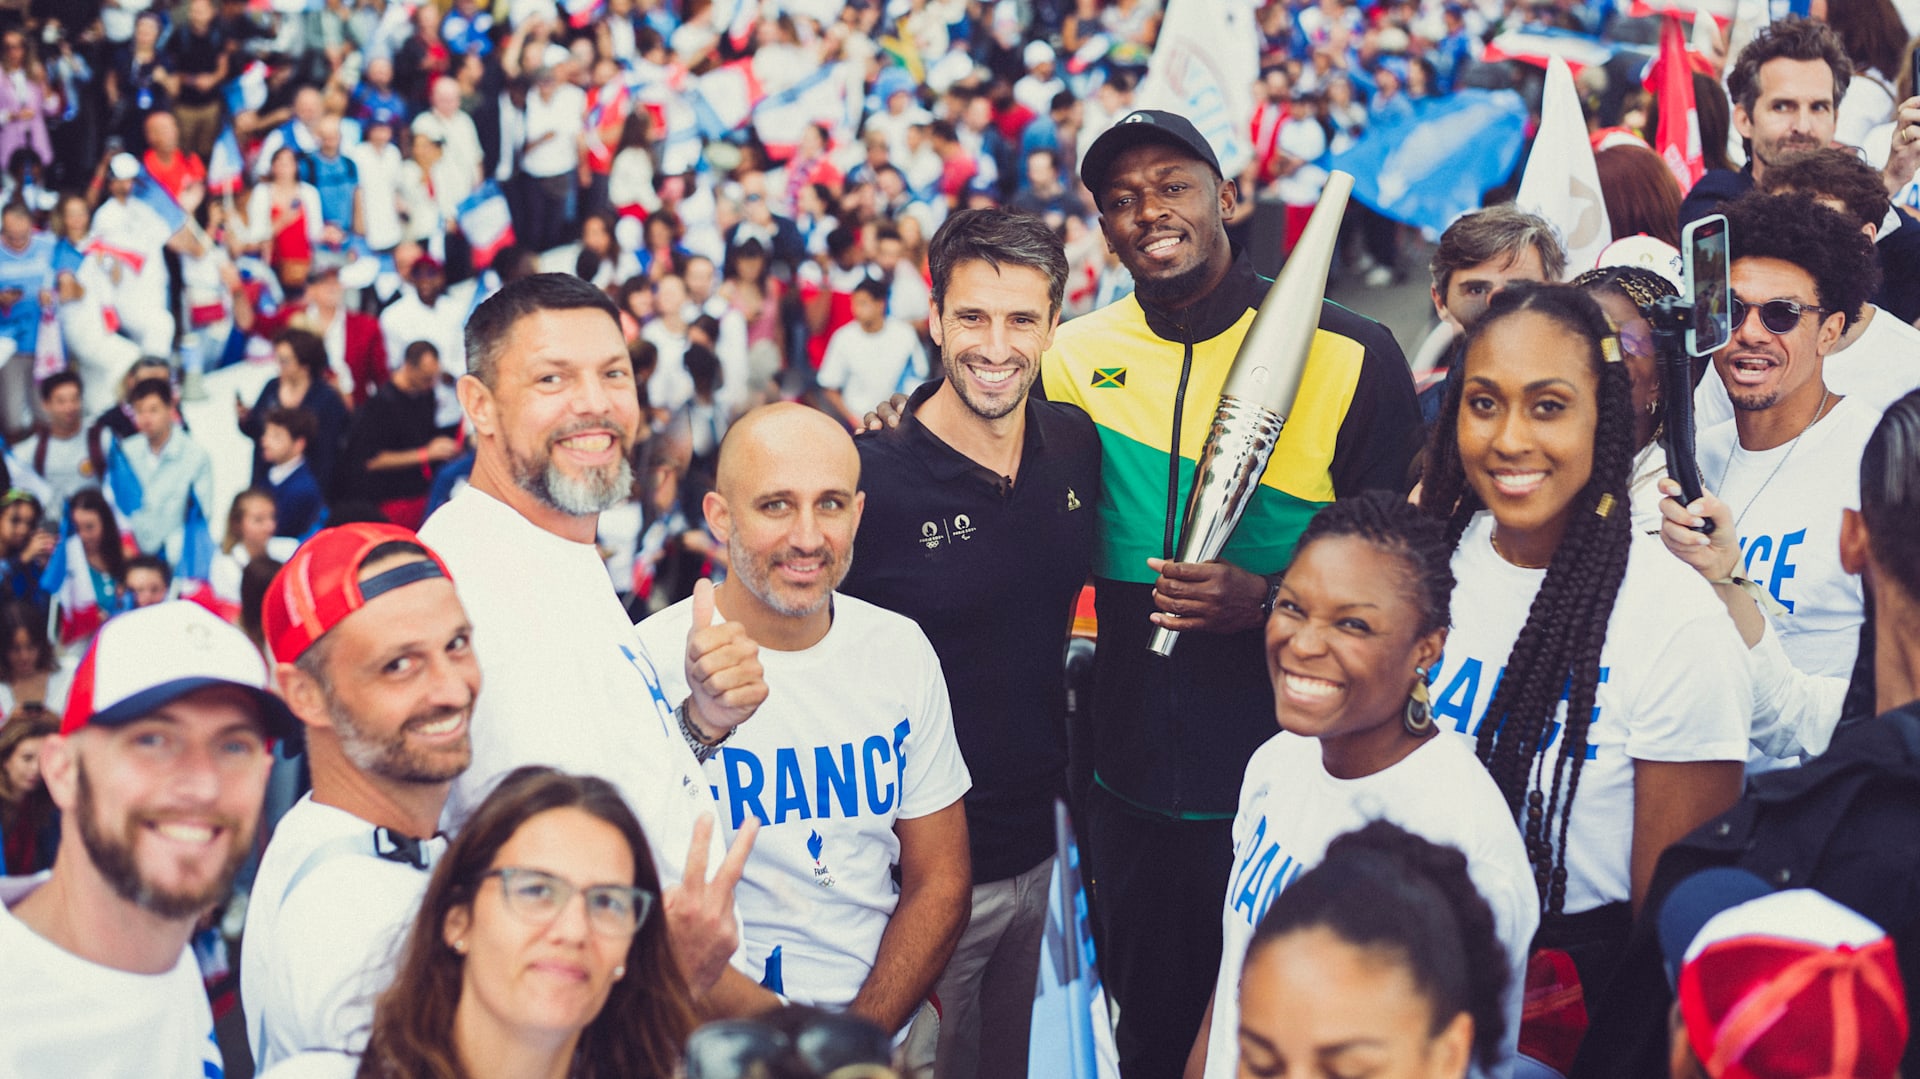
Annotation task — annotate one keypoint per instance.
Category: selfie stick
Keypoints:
(1259, 391)
(1671, 317)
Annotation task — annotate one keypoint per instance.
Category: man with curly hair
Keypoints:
(1786, 87)
(1786, 463)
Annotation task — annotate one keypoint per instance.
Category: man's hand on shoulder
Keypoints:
(885, 416)
(1207, 597)
(723, 669)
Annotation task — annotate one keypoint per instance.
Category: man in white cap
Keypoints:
(133, 236)
(159, 769)
(1036, 88)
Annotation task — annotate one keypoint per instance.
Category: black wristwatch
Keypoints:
(1273, 595)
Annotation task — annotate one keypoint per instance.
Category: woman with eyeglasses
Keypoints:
(539, 952)
(1602, 683)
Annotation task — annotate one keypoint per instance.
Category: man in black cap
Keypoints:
(1161, 768)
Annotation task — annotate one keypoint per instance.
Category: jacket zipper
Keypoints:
(1173, 456)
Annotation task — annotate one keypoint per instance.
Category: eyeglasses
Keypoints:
(537, 897)
(843, 1046)
(1778, 316)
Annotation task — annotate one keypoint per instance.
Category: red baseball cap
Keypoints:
(1792, 985)
(145, 659)
(320, 584)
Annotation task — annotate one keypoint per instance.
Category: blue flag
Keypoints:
(148, 190)
(122, 483)
(196, 544)
(1071, 1035)
(1430, 163)
(54, 577)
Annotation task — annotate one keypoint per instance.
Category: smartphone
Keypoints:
(1705, 246)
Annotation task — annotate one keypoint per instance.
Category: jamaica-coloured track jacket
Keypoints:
(1173, 735)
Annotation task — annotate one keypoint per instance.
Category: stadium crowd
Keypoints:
(577, 348)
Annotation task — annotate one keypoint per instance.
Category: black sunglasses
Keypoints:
(1778, 316)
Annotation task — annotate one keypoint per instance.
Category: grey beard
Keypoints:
(582, 496)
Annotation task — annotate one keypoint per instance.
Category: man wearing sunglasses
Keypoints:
(1786, 464)
(376, 660)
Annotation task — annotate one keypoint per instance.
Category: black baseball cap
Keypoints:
(1138, 127)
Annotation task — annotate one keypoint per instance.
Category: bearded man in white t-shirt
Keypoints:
(550, 393)
(1788, 461)
(851, 767)
(376, 658)
(159, 769)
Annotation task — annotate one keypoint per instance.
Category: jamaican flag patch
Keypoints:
(1109, 378)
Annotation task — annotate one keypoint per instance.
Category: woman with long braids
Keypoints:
(1600, 680)
(1359, 617)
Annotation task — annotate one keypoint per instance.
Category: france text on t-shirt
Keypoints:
(1674, 687)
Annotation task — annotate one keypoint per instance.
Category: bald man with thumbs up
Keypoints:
(551, 397)
(850, 767)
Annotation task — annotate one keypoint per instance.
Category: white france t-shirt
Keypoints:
(1790, 528)
(856, 733)
(64, 1017)
(1291, 809)
(1673, 687)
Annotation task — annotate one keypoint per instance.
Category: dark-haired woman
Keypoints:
(96, 558)
(1382, 960)
(304, 382)
(539, 951)
(1359, 618)
(31, 673)
(1600, 680)
(1627, 295)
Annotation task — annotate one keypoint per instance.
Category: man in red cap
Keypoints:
(159, 769)
(374, 657)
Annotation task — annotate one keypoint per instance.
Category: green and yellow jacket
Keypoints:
(1173, 736)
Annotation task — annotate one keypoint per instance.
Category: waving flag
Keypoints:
(147, 190)
(1431, 162)
(225, 170)
(196, 545)
(122, 483)
(723, 99)
(55, 574)
(581, 13)
(248, 90)
(487, 224)
(1677, 139)
(831, 96)
(1071, 1036)
(1541, 46)
(1562, 183)
(1204, 67)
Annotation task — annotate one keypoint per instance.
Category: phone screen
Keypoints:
(1705, 244)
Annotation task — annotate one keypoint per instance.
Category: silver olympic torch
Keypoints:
(1259, 391)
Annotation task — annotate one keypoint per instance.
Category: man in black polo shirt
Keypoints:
(979, 525)
(394, 444)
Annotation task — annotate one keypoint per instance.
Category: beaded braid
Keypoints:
(1557, 653)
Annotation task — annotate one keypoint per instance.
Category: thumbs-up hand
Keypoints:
(723, 670)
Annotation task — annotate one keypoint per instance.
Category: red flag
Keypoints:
(1678, 136)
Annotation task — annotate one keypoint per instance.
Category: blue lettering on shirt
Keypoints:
(1263, 872)
(817, 782)
(1462, 701)
(1772, 553)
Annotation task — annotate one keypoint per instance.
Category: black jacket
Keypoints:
(1847, 825)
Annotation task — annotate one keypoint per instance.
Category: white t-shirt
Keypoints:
(567, 681)
(68, 467)
(1790, 528)
(1880, 367)
(315, 1066)
(867, 368)
(69, 1018)
(1673, 687)
(856, 733)
(561, 119)
(1291, 809)
(323, 932)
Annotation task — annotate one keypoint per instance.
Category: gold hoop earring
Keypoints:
(1418, 718)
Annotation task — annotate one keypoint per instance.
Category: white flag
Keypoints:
(1562, 183)
(1204, 67)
